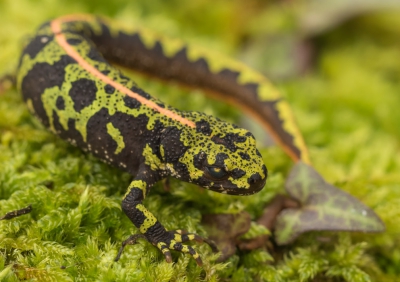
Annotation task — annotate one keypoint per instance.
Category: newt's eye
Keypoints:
(216, 172)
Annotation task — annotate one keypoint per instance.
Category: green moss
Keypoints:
(346, 106)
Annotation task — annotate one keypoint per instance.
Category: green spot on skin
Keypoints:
(43, 57)
(172, 46)
(215, 61)
(117, 136)
(151, 159)
(290, 126)
(140, 184)
(162, 152)
(49, 98)
(240, 183)
(149, 220)
(148, 39)
(266, 92)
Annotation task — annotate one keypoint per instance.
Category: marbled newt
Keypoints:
(67, 81)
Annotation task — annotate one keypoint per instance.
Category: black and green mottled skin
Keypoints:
(125, 133)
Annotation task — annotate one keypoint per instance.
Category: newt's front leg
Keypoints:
(150, 228)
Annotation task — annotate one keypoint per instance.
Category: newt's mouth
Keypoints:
(254, 188)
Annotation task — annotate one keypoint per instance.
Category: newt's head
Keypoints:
(216, 155)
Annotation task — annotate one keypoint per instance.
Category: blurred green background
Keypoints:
(336, 62)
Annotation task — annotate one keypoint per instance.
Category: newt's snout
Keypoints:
(257, 182)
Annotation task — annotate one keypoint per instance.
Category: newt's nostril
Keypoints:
(257, 182)
(254, 178)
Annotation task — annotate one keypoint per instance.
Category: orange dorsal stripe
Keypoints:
(60, 38)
